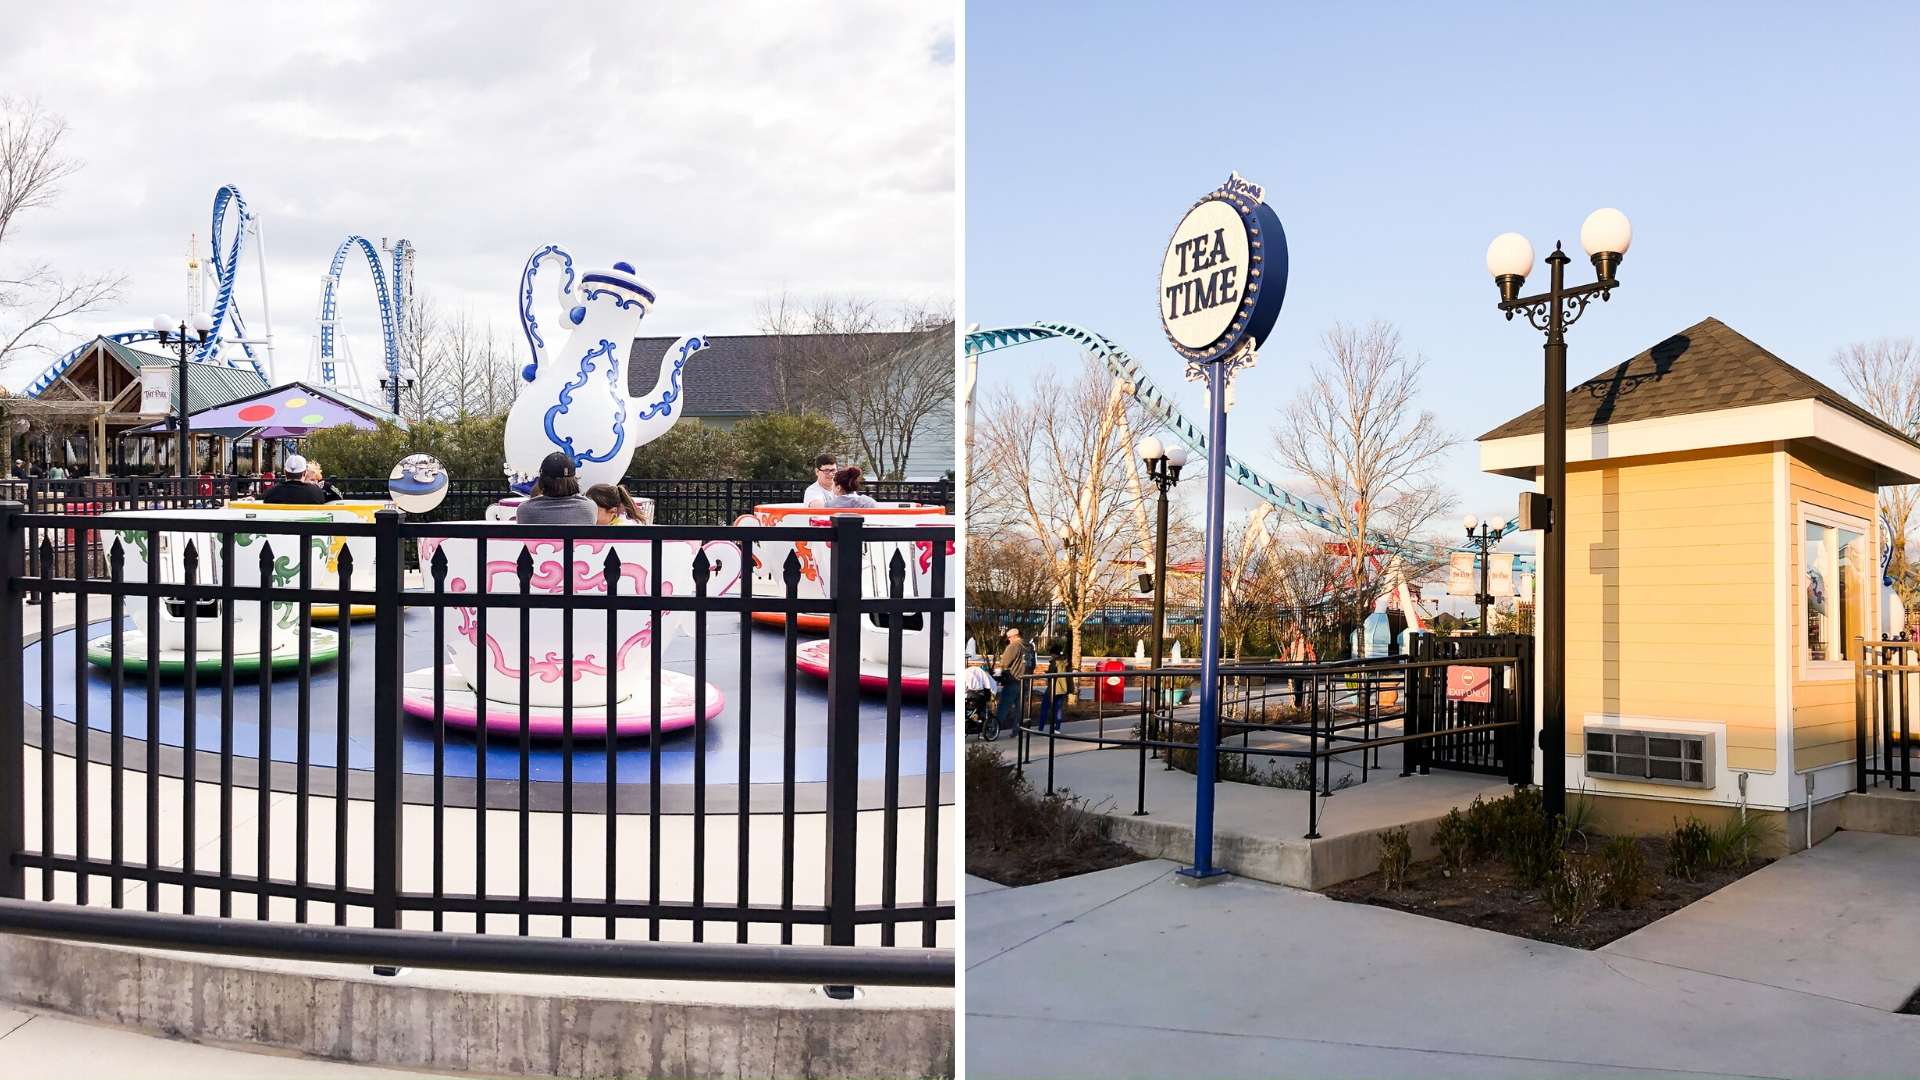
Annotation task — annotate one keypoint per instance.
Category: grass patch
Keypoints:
(1016, 836)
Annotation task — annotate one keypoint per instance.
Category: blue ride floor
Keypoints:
(765, 685)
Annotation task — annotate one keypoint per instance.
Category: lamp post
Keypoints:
(1605, 235)
(1163, 468)
(163, 325)
(393, 387)
(1484, 542)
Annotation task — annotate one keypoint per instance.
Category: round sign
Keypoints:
(1224, 274)
(418, 483)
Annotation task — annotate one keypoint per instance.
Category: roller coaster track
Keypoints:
(390, 290)
(1127, 370)
(228, 326)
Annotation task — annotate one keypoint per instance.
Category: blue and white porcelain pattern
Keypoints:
(575, 397)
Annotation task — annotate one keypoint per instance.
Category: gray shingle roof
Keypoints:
(1706, 367)
(736, 375)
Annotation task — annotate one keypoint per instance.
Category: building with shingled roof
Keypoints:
(1722, 559)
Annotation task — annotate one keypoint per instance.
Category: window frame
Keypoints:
(1811, 670)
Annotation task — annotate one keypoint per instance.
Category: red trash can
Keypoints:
(1113, 688)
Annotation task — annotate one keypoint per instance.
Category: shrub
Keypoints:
(1689, 849)
(1451, 836)
(1575, 884)
(1626, 867)
(1531, 843)
(1302, 776)
(1737, 843)
(782, 446)
(1396, 857)
(1485, 825)
(689, 450)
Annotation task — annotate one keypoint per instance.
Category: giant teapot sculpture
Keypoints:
(575, 399)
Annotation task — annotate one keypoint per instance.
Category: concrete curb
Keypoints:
(1299, 863)
(327, 1012)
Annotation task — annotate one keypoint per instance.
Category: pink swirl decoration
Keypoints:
(548, 576)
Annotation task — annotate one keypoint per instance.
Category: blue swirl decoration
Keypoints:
(565, 404)
(664, 407)
(595, 294)
(535, 342)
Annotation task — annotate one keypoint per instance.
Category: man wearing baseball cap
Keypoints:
(556, 496)
(292, 487)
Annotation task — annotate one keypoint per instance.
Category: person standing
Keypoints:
(1013, 663)
(822, 488)
(1053, 700)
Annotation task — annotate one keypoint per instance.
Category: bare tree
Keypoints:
(480, 374)
(881, 375)
(1057, 457)
(429, 386)
(1884, 377)
(1357, 437)
(35, 300)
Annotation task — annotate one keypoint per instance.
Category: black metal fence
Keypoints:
(232, 585)
(676, 502)
(1886, 691)
(1316, 715)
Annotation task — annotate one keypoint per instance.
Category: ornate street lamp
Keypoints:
(1163, 468)
(1484, 542)
(1605, 235)
(163, 325)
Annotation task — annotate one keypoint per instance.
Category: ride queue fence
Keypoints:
(215, 895)
(1886, 693)
(1318, 713)
(676, 502)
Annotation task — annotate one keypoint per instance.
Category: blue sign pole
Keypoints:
(1209, 734)
(1222, 281)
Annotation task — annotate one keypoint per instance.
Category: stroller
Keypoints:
(982, 718)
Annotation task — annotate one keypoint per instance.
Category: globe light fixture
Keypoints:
(1606, 235)
(1176, 456)
(1509, 260)
(163, 323)
(1150, 449)
(202, 323)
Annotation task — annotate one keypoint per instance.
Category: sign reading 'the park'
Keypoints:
(1224, 275)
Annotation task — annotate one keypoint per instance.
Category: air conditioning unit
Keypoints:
(1682, 758)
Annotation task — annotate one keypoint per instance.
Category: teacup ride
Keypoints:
(497, 664)
(916, 637)
(326, 572)
(161, 556)
(770, 556)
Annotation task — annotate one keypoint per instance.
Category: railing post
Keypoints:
(13, 748)
(1860, 717)
(389, 673)
(843, 727)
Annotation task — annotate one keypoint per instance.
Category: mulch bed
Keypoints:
(1487, 896)
(1031, 866)
(1016, 836)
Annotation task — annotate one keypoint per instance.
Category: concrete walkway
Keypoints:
(1837, 921)
(1126, 974)
(45, 1046)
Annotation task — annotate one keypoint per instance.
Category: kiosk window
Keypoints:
(1834, 560)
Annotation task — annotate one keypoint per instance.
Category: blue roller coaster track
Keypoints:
(390, 290)
(1126, 369)
(228, 326)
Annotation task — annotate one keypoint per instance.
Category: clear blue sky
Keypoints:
(1767, 154)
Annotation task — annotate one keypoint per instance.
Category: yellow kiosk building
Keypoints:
(1723, 551)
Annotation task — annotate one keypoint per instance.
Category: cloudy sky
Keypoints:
(728, 151)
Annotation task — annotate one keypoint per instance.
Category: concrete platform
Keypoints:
(1881, 810)
(1259, 832)
(1124, 974)
(1836, 921)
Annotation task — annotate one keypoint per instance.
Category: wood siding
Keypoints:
(1670, 572)
(1823, 708)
